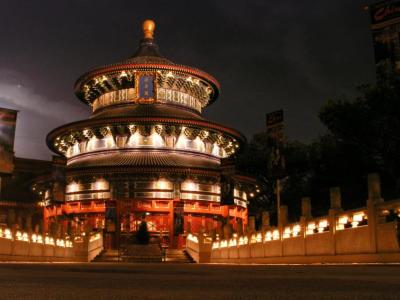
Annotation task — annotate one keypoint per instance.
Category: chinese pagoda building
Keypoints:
(147, 152)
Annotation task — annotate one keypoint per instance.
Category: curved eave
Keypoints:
(246, 179)
(81, 125)
(144, 67)
(143, 170)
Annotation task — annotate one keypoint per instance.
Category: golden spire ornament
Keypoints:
(148, 29)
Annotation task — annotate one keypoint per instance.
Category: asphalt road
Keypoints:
(192, 281)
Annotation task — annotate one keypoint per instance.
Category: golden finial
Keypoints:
(148, 29)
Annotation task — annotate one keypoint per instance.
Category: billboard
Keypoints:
(8, 119)
(385, 26)
(275, 125)
(275, 130)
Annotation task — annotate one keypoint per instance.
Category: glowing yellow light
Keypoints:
(322, 225)
(49, 241)
(7, 234)
(275, 234)
(73, 187)
(340, 227)
(190, 186)
(60, 243)
(100, 184)
(223, 244)
(232, 242)
(343, 220)
(215, 150)
(268, 236)
(286, 233)
(358, 217)
(310, 228)
(296, 230)
(24, 237)
(193, 238)
(259, 238)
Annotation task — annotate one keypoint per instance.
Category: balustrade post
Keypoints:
(374, 197)
(266, 222)
(305, 216)
(283, 220)
(336, 207)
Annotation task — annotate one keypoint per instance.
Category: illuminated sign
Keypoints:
(385, 24)
(146, 87)
(385, 11)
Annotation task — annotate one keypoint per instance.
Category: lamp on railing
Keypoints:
(357, 218)
(215, 245)
(286, 233)
(275, 235)
(25, 237)
(296, 230)
(193, 238)
(223, 244)
(232, 242)
(49, 241)
(60, 243)
(268, 236)
(343, 220)
(310, 228)
(322, 225)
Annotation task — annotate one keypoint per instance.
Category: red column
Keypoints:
(171, 223)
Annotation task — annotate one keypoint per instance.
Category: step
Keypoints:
(177, 256)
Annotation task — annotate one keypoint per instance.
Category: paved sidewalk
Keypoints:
(193, 281)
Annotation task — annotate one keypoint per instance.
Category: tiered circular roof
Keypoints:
(147, 58)
(178, 94)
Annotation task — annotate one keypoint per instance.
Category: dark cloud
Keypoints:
(267, 55)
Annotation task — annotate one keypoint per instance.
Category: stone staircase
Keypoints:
(178, 256)
(107, 256)
(172, 256)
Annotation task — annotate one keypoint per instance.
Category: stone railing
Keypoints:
(369, 234)
(199, 247)
(22, 246)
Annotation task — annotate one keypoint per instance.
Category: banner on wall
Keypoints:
(8, 120)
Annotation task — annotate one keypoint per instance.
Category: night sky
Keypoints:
(267, 55)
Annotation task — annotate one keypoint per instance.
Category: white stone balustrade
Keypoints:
(22, 246)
